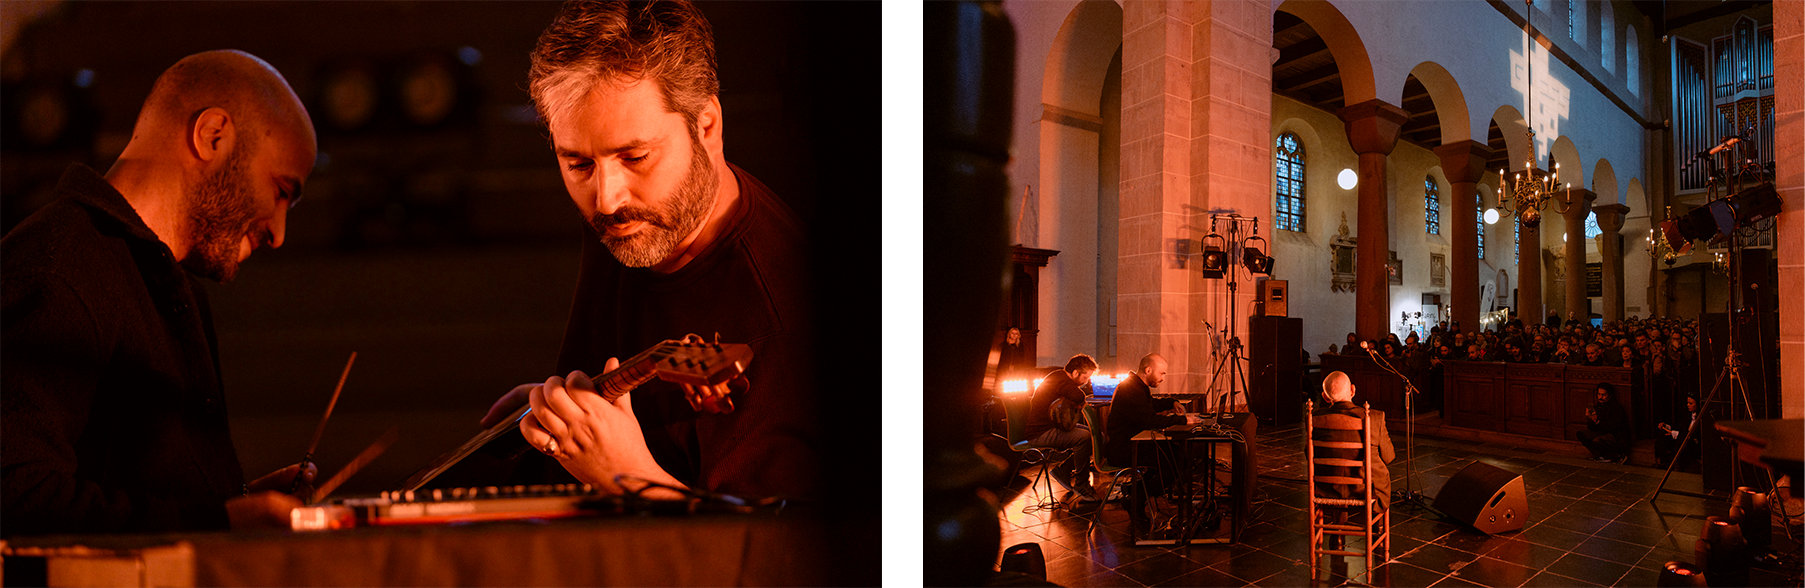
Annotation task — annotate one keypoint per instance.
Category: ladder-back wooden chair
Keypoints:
(1349, 466)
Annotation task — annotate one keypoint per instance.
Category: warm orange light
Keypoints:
(1015, 386)
(1037, 382)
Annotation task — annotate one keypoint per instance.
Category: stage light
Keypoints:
(1215, 257)
(1015, 386)
(1721, 217)
(1025, 558)
(1748, 509)
(1679, 574)
(1256, 261)
(1722, 553)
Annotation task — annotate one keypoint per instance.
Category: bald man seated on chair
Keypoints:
(1338, 398)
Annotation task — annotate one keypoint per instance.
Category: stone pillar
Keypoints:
(1529, 273)
(1155, 185)
(1196, 112)
(1575, 256)
(1464, 163)
(1789, 172)
(1610, 218)
(1372, 130)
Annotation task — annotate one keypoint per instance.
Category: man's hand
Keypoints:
(267, 507)
(595, 440)
(1191, 419)
(282, 479)
(261, 510)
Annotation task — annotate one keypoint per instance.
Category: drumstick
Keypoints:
(320, 430)
(357, 463)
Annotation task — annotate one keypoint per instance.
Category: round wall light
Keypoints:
(1491, 216)
(1347, 179)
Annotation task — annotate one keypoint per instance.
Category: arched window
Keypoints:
(1607, 38)
(1290, 182)
(1431, 206)
(1517, 238)
(1479, 218)
(1592, 228)
(1629, 60)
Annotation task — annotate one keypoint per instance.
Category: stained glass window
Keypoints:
(1592, 228)
(1517, 237)
(1479, 216)
(1431, 206)
(1289, 153)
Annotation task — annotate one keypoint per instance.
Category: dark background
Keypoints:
(445, 254)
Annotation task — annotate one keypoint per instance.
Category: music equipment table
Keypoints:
(1242, 472)
(705, 550)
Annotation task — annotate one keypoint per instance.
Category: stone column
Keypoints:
(1372, 130)
(1576, 250)
(1529, 273)
(1464, 163)
(1789, 171)
(1610, 218)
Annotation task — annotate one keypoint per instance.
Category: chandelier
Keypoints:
(1526, 193)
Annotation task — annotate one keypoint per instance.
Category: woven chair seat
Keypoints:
(1339, 501)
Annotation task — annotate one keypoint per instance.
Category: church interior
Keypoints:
(1266, 193)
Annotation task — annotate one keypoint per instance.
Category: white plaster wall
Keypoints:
(1068, 198)
(1303, 259)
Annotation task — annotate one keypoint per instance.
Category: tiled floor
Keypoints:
(1588, 525)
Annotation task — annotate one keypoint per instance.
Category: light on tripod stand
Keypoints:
(1215, 258)
(1256, 261)
(1721, 217)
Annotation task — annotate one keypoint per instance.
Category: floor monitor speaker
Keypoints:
(1489, 498)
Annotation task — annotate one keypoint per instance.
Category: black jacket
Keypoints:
(1056, 385)
(1131, 411)
(114, 413)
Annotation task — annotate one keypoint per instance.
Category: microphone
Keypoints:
(1721, 147)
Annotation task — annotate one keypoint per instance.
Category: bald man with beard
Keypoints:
(114, 413)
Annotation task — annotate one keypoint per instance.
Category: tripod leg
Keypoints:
(1690, 431)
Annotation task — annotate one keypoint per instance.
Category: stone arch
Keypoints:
(1450, 102)
(1081, 52)
(1516, 143)
(1071, 127)
(1357, 82)
(1604, 183)
(1566, 155)
(1635, 198)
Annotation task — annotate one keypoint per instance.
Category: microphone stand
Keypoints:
(1410, 495)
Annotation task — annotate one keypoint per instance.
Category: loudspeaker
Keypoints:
(1274, 352)
(1490, 499)
(1273, 296)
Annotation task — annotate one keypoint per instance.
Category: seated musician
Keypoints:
(1133, 410)
(679, 241)
(1338, 398)
(115, 417)
(1067, 386)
